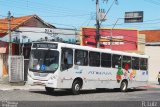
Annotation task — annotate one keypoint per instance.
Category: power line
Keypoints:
(153, 2)
(63, 13)
(76, 15)
(86, 22)
(64, 9)
(73, 27)
(139, 23)
(114, 1)
(3, 16)
(129, 41)
(131, 36)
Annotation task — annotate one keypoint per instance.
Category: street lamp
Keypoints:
(130, 17)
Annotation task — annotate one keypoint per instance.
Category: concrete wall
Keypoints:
(1, 67)
(141, 43)
(154, 61)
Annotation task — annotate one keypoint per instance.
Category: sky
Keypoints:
(78, 13)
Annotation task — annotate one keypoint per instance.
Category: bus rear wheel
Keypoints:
(76, 86)
(49, 90)
(123, 86)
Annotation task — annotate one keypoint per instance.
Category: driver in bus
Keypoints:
(68, 57)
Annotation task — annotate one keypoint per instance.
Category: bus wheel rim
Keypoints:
(77, 87)
(124, 86)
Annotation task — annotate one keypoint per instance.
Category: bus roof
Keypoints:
(73, 46)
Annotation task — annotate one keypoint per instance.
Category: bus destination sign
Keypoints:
(45, 45)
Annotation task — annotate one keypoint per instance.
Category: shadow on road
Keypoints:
(68, 93)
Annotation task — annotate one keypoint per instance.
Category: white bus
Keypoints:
(66, 66)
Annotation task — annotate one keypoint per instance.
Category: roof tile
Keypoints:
(15, 22)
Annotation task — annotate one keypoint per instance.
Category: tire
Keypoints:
(49, 90)
(76, 86)
(123, 87)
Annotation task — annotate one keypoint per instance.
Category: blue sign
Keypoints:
(145, 73)
(43, 67)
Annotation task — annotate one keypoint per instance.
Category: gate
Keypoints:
(16, 68)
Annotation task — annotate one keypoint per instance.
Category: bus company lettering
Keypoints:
(79, 72)
(99, 73)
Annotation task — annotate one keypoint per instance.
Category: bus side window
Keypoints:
(143, 63)
(135, 63)
(81, 57)
(66, 58)
(94, 59)
(106, 60)
(116, 60)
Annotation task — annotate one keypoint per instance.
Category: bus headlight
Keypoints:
(53, 77)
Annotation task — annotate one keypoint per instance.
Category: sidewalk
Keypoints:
(153, 85)
(5, 87)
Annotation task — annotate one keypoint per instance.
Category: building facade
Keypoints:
(128, 40)
(152, 49)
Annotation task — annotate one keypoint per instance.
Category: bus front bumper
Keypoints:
(46, 83)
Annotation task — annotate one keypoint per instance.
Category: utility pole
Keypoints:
(10, 45)
(97, 24)
(9, 33)
(101, 16)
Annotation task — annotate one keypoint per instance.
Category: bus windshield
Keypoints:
(44, 60)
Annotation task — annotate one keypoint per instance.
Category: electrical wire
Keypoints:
(153, 2)
(56, 11)
(75, 33)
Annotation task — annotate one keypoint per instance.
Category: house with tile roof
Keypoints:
(17, 22)
(27, 21)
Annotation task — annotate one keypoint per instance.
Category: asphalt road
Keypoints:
(89, 98)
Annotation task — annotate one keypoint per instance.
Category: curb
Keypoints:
(152, 86)
(31, 88)
(12, 88)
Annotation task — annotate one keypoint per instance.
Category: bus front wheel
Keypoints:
(49, 90)
(123, 86)
(76, 86)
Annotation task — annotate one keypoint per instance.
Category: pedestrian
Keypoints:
(158, 76)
